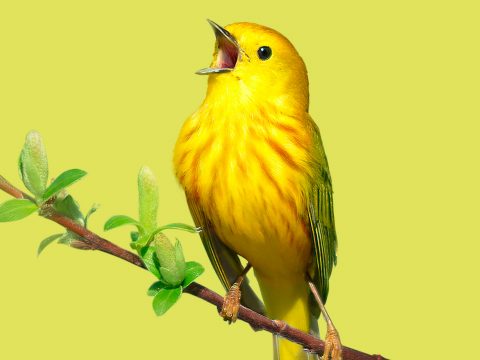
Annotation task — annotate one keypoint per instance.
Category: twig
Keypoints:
(257, 321)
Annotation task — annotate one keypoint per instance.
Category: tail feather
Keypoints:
(288, 300)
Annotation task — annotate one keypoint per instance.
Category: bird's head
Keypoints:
(258, 63)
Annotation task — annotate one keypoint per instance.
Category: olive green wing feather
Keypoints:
(224, 260)
(322, 222)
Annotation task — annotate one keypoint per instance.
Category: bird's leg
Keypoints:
(333, 346)
(231, 302)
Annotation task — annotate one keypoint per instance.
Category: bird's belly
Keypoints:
(259, 217)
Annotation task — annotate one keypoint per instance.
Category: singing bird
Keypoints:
(256, 178)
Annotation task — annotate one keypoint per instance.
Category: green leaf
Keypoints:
(120, 220)
(155, 288)
(165, 299)
(150, 260)
(33, 164)
(178, 226)
(69, 207)
(179, 258)
(147, 199)
(47, 241)
(143, 241)
(134, 236)
(64, 180)
(73, 240)
(16, 209)
(93, 209)
(67, 238)
(20, 166)
(192, 271)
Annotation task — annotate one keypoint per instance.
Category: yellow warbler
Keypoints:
(256, 178)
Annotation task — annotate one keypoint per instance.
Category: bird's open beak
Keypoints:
(228, 52)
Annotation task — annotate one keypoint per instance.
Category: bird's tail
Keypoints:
(288, 300)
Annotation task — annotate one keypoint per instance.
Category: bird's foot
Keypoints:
(333, 346)
(231, 304)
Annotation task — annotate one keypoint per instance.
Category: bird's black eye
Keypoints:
(264, 53)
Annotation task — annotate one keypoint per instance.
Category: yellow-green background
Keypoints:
(395, 90)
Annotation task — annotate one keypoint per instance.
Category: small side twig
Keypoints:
(257, 321)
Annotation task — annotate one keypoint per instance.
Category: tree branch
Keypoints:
(257, 321)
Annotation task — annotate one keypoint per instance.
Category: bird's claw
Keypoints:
(231, 304)
(333, 346)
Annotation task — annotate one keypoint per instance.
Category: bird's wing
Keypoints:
(225, 261)
(322, 224)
